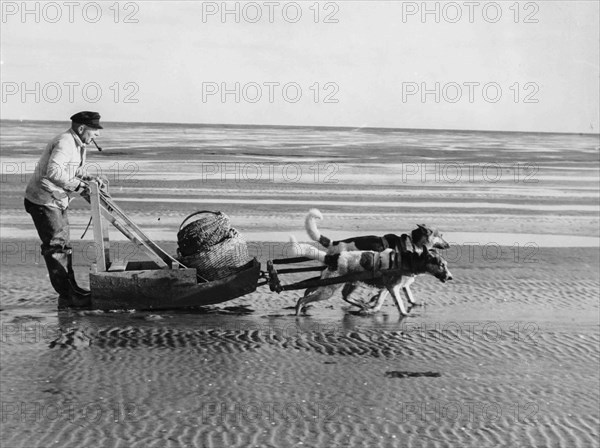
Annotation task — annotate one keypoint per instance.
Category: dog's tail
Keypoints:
(306, 250)
(310, 224)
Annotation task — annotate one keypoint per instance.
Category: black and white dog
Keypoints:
(421, 238)
(348, 262)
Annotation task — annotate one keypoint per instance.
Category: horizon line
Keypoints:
(384, 128)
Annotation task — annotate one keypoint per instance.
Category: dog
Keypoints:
(349, 262)
(420, 238)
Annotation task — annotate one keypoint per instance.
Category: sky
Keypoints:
(507, 65)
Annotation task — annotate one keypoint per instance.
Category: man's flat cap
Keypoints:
(91, 119)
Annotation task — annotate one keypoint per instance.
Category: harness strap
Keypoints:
(393, 260)
(409, 250)
(384, 243)
(407, 244)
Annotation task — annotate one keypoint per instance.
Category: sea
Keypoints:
(545, 184)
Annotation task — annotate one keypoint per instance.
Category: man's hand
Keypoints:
(84, 191)
(58, 195)
(102, 182)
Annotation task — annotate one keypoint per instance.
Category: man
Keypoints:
(59, 175)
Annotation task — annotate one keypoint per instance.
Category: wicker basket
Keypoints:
(222, 259)
(200, 235)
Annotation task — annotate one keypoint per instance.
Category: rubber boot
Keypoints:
(58, 270)
(79, 290)
(56, 262)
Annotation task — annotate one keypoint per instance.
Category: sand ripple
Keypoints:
(506, 355)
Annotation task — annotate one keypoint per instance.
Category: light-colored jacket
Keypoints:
(58, 171)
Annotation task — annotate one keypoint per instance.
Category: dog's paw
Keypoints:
(304, 310)
(373, 309)
(367, 311)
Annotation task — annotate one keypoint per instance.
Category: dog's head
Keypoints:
(436, 265)
(424, 236)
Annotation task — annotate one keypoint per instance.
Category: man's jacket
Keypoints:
(58, 171)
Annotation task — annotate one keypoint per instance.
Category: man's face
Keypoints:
(88, 134)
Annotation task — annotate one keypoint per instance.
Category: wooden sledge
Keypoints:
(163, 282)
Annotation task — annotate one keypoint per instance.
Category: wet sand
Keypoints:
(505, 355)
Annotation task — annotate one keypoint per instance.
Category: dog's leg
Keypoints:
(409, 296)
(396, 289)
(322, 293)
(405, 285)
(397, 299)
(310, 290)
(349, 288)
(379, 299)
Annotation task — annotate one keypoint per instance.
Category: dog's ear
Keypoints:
(425, 229)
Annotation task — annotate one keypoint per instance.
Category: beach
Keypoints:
(506, 354)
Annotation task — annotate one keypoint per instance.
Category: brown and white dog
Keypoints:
(348, 262)
(422, 237)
